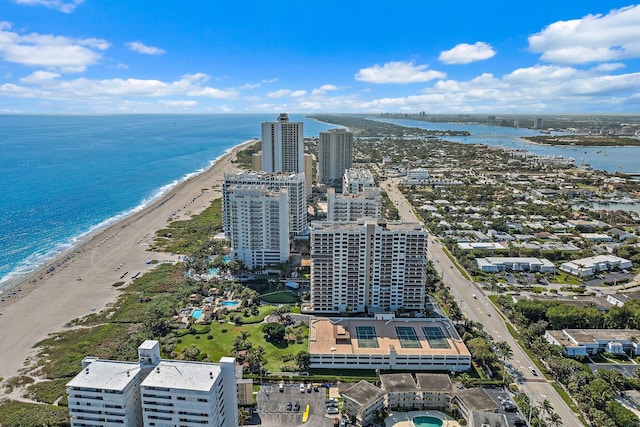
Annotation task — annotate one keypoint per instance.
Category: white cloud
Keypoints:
(143, 48)
(62, 6)
(323, 89)
(248, 86)
(466, 53)
(398, 72)
(83, 89)
(39, 77)
(279, 93)
(178, 104)
(610, 66)
(594, 38)
(298, 93)
(538, 88)
(41, 50)
(540, 73)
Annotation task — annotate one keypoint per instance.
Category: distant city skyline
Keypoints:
(95, 57)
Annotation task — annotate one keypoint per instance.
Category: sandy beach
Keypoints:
(83, 279)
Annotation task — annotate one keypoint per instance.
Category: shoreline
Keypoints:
(43, 302)
(68, 248)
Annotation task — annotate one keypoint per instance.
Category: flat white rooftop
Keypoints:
(175, 374)
(106, 375)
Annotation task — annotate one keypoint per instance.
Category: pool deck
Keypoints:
(403, 419)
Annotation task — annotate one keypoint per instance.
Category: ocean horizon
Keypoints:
(65, 176)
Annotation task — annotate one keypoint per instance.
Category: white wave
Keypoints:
(38, 260)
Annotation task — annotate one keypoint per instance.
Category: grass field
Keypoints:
(224, 335)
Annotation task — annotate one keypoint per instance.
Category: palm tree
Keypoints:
(504, 352)
(554, 420)
(546, 407)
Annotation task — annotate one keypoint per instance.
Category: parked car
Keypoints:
(289, 406)
(302, 389)
(296, 407)
(332, 410)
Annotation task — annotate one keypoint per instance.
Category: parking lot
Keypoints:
(273, 409)
(506, 406)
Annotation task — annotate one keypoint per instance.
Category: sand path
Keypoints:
(83, 282)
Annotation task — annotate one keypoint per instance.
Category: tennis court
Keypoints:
(407, 337)
(435, 337)
(366, 336)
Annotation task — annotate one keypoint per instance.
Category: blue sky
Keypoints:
(138, 56)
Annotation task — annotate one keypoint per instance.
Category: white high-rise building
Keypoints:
(293, 182)
(153, 392)
(335, 155)
(190, 394)
(259, 231)
(367, 266)
(283, 146)
(105, 393)
(352, 207)
(355, 181)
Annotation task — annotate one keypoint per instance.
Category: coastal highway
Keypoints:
(476, 306)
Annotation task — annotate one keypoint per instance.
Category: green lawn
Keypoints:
(222, 343)
(283, 297)
(264, 311)
(562, 277)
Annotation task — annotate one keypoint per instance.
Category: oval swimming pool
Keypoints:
(427, 422)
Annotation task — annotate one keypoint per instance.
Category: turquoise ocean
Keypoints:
(62, 177)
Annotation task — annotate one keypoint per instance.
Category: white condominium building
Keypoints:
(294, 183)
(105, 393)
(351, 207)
(355, 181)
(283, 146)
(367, 266)
(259, 228)
(190, 394)
(335, 155)
(153, 392)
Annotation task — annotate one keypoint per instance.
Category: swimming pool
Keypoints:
(196, 314)
(230, 303)
(427, 422)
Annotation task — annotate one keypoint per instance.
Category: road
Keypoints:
(477, 307)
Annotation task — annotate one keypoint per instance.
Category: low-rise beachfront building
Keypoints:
(586, 267)
(485, 246)
(427, 391)
(414, 344)
(496, 264)
(153, 392)
(597, 237)
(362, 401)
(397, 392)
(589, 342)
(416, 175)
(473, 400)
